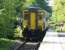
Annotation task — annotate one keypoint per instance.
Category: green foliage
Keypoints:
(58, 14)
(5, 44)
(41, 3)
(7, 18)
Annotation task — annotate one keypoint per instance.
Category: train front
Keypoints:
(33, 24)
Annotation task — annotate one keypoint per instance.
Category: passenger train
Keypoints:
(33, 23)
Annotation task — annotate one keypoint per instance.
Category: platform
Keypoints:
(53, 41)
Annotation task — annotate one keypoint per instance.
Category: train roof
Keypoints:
(36, 8)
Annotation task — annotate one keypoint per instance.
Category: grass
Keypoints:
(5, 44)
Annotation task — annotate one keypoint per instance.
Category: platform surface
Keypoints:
(53, 41)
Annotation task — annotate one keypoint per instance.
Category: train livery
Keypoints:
(33, 23)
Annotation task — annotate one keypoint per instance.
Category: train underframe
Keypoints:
(34, 35)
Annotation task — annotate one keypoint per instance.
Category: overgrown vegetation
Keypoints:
(5, 44)
(57, 21)
(8, 15)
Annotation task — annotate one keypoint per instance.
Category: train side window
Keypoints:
(26, 16)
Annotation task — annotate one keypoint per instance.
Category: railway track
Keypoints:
(24, 45)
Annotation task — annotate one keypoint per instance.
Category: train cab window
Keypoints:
(26, 15)
(39, 16)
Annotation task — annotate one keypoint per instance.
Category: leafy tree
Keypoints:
(58, 14)
(8, 15)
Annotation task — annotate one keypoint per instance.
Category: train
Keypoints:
(34, 23)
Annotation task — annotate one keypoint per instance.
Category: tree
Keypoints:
(8, 15)
(58, 14)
